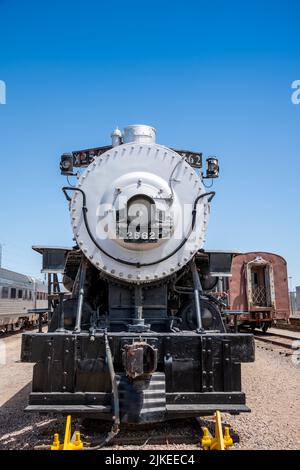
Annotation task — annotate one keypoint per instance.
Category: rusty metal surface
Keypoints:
(238, 284)
(139, 358)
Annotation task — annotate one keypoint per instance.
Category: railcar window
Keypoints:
(20, 294)
(13, 293)
(4, 292)
(25, 294)
(30, 295)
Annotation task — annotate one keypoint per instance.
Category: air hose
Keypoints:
(114, 385)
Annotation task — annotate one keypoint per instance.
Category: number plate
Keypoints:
(193, 158)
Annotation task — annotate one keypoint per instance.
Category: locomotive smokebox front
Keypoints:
(133, 213)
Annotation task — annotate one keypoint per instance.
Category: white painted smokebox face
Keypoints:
(139, 200)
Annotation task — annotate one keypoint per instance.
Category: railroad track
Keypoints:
(288, 343)
(186, 432)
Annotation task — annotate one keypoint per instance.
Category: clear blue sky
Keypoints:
(210, 76)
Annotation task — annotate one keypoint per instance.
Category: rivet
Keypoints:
(91, 256)
(81, 243)
(104, 267)
(121, 274)
(113, 271)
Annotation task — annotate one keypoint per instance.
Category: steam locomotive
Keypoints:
(137, 336)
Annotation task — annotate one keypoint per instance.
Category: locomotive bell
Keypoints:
(139, 223)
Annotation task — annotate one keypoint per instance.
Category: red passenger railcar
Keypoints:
(258, 289)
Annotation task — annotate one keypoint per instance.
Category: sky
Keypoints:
(211, 76)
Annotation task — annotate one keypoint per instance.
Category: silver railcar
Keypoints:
(18, 295)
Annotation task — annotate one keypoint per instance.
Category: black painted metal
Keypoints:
(194, 374)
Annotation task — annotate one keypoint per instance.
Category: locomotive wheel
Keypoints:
(265, 326)
(209, 312)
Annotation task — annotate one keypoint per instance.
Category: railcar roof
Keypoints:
(8, 275)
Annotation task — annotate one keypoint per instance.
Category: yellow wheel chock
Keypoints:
(74, 443)
(220, 441)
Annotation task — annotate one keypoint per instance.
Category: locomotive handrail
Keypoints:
(211, 194)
